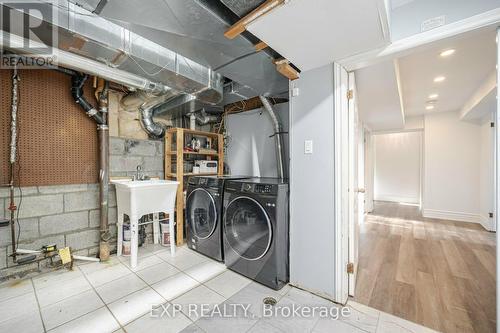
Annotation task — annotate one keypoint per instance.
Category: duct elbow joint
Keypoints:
(154, 129)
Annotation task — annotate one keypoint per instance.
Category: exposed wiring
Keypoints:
(18, 169)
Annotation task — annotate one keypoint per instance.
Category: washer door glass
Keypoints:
(247, 228)
(201, 213)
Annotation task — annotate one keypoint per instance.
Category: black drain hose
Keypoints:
(77, 83)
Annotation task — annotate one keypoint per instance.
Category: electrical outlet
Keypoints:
(490, 215)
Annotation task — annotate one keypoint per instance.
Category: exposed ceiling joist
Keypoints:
(240, 26)
(260, 46)
(283, 66)
(250, 104)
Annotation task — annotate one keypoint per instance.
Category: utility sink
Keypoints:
(143, 183)
(140, 197)
(145, 196)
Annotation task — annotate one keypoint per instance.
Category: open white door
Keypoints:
(354, 188)
(341, 182)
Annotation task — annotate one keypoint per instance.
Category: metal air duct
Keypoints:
(91, 44)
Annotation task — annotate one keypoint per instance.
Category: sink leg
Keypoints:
(119, 229)
(156, 228)
(172, 233)
(134, 240)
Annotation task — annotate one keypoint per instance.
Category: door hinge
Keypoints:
(490, 215)
(492, 124)
(350, 94)
(350, 268)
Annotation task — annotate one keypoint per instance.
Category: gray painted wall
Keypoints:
(312, 183)
(250, 149)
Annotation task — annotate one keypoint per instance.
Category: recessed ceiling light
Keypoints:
(429, 107)
(447, 53)
(439, 79)
(433, 96)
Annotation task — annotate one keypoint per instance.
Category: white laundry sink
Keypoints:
(140, 197)
(146, 196)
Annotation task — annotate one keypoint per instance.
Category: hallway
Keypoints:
(437, 273)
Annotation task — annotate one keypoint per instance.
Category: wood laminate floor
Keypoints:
(437, 273)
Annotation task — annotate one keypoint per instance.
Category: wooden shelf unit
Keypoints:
(174, 146)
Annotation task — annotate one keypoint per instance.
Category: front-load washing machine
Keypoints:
(204, 198)
(256, 229)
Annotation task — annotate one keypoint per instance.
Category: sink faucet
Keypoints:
(138, 173)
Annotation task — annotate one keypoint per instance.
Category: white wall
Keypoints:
(486, 197)
(451, 168)
(408, 15)
(251, 152)
(397, 167)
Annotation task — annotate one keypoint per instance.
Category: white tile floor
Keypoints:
(111, 297)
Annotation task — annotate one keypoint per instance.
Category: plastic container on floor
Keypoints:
(126, 248)
(165, 232)
(126, 232)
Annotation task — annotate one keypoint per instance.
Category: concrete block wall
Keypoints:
(63, 215)
(68, 215)
(127, 154)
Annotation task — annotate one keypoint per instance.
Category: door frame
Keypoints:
(497, 174)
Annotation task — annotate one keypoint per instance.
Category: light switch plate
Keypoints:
(295, 92)
(308, 146)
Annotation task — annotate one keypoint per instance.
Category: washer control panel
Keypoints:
(258, 188)
(263, 188)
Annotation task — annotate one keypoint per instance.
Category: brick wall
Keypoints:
(68, 215)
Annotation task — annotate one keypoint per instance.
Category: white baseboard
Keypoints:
(487, 223)
(454, 216)
(392, 198)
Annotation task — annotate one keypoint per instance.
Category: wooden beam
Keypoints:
(283, 66)
(250, 104)
(260, 46)
(240, 26)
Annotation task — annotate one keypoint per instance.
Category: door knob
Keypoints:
(361, 190)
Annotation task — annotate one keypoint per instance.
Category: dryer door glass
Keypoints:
(201, 213)
(247, 228)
